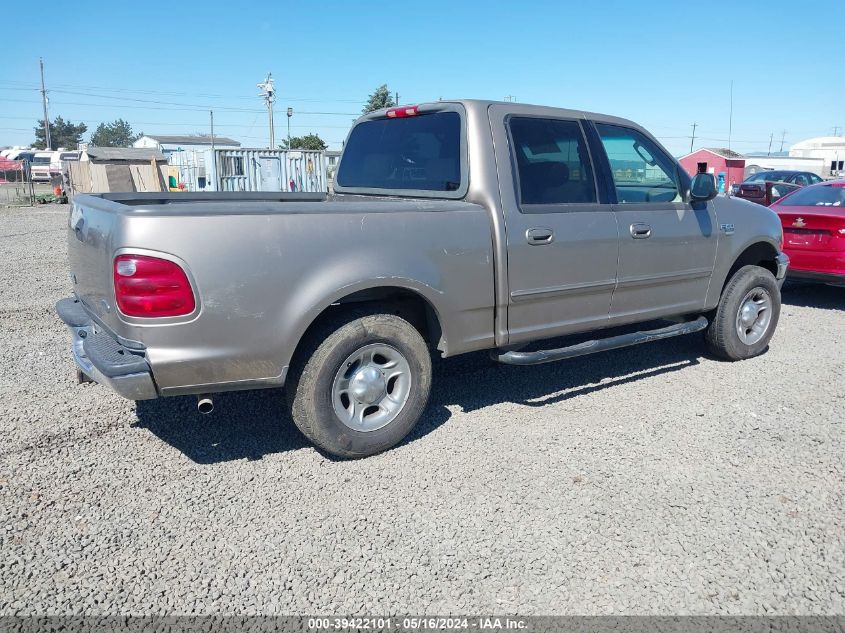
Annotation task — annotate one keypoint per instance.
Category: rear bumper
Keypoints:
(102, 359)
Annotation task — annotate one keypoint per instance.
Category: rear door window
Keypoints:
(552, 161)
(642, 172)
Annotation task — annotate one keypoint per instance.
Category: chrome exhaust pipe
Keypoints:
(205, 404)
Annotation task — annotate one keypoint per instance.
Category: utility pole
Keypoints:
(290, 114)
(771, 137)
(731, 116)
(209, 173)
(692, 140)
(49, 145)
(509, 98)
(396, 97)
(836, 129)
(268, 92)
(782, 137)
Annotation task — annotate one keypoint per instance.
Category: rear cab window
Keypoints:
(553, 164)
(419, 155)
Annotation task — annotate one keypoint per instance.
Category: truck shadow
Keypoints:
(251, 424)
(813, 295)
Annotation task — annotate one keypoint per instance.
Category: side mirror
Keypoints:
(703, 188)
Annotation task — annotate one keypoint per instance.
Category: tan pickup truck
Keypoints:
(454, 227)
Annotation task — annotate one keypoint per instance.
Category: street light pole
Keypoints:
(290, 114)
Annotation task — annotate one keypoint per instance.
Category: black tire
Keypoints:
(312, 376)
(722, 335)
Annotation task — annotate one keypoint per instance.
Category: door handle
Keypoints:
(539, 236)
(640, 231)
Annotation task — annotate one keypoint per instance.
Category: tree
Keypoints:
(115, 134)
(309, 141)
(62, 134)
(381, 98)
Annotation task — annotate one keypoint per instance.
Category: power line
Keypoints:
(16, 85)
(185, 108)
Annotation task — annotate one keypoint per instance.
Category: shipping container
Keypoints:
(251, 170)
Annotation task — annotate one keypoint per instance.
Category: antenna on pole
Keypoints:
(782, 137)
(268, 93)
(692, 139)
(48, 144)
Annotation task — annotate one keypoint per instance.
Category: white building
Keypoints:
(167, 144)
(755, 163)
(829, 148)
(187, 152)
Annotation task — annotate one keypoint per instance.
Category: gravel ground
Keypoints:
(651, 480)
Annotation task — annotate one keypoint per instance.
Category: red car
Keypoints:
(813, 220)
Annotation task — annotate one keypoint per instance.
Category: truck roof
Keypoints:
(478, 106)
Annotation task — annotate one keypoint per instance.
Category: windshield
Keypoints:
(411, 153)
(821, 196)
(41, 160)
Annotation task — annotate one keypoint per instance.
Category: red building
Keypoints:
(727, 166)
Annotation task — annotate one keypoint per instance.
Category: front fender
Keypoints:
(745, 228)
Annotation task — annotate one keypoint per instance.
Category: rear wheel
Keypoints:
(361, 384)
(747, 315)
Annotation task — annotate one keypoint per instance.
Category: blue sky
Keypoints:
(163, 65)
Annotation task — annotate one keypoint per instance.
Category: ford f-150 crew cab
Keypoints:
(453, 226)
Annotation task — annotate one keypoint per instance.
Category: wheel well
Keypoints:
(388, 300)
(760, 254)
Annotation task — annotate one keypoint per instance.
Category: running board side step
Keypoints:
(600, 345)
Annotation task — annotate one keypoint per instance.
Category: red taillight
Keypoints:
(151, 287)
(399, 113)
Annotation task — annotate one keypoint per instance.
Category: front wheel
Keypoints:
(361, 385)
(747, 315)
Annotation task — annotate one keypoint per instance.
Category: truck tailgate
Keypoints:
(91, 227)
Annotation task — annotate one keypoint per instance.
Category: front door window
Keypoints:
(642, 173)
